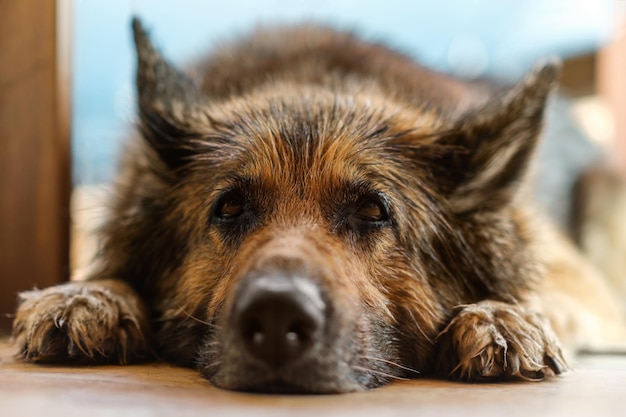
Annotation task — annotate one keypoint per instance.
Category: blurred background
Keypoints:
(466, 38)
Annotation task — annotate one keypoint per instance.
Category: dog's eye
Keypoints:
(230, 206)
(367, 214)
(372, 209)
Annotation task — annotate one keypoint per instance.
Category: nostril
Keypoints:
(253, 331)
(300, 331)
(278, 320)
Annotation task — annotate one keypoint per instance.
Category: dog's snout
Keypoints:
(279, 318)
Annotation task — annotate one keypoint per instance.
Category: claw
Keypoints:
(554, 364)
(59, 322)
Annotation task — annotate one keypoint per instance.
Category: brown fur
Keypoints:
(309, 128)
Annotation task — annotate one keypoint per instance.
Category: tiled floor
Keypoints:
(596, 388)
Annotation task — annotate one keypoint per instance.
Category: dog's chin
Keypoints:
(303, 380)
(305, 383)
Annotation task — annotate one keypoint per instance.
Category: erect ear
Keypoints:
(486, 156)
(167, 100)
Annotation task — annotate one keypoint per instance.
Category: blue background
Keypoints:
(469, 38)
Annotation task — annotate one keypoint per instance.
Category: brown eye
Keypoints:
(372, 210)
(230, 206)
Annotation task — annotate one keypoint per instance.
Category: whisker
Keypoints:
(397, 365)
(196, 318)
(420, 327)
(212, 364)
(386, 375)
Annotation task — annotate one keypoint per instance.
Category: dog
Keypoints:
(312, 213)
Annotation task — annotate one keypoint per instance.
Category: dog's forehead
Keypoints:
(292, 145)
(321, 130)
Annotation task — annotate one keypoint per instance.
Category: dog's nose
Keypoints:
(279, 318)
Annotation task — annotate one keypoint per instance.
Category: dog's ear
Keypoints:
(167, 102)
(485, 157)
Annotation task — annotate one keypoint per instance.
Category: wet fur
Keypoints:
(305, 122)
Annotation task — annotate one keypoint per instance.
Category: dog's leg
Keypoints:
(492, 339)
(77, 322)
(578, 300)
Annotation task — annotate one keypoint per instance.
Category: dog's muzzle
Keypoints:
(279, 319)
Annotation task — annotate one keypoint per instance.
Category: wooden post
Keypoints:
(35, 182)
(612, 86)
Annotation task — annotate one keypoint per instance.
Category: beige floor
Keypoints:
(596, 388)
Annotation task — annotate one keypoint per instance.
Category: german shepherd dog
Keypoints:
(308, 212)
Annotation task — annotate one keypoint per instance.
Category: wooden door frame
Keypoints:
(35, 181)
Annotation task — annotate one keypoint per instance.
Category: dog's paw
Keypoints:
(81, 322)
(492, 340)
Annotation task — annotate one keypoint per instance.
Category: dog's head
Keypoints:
(298, 237)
